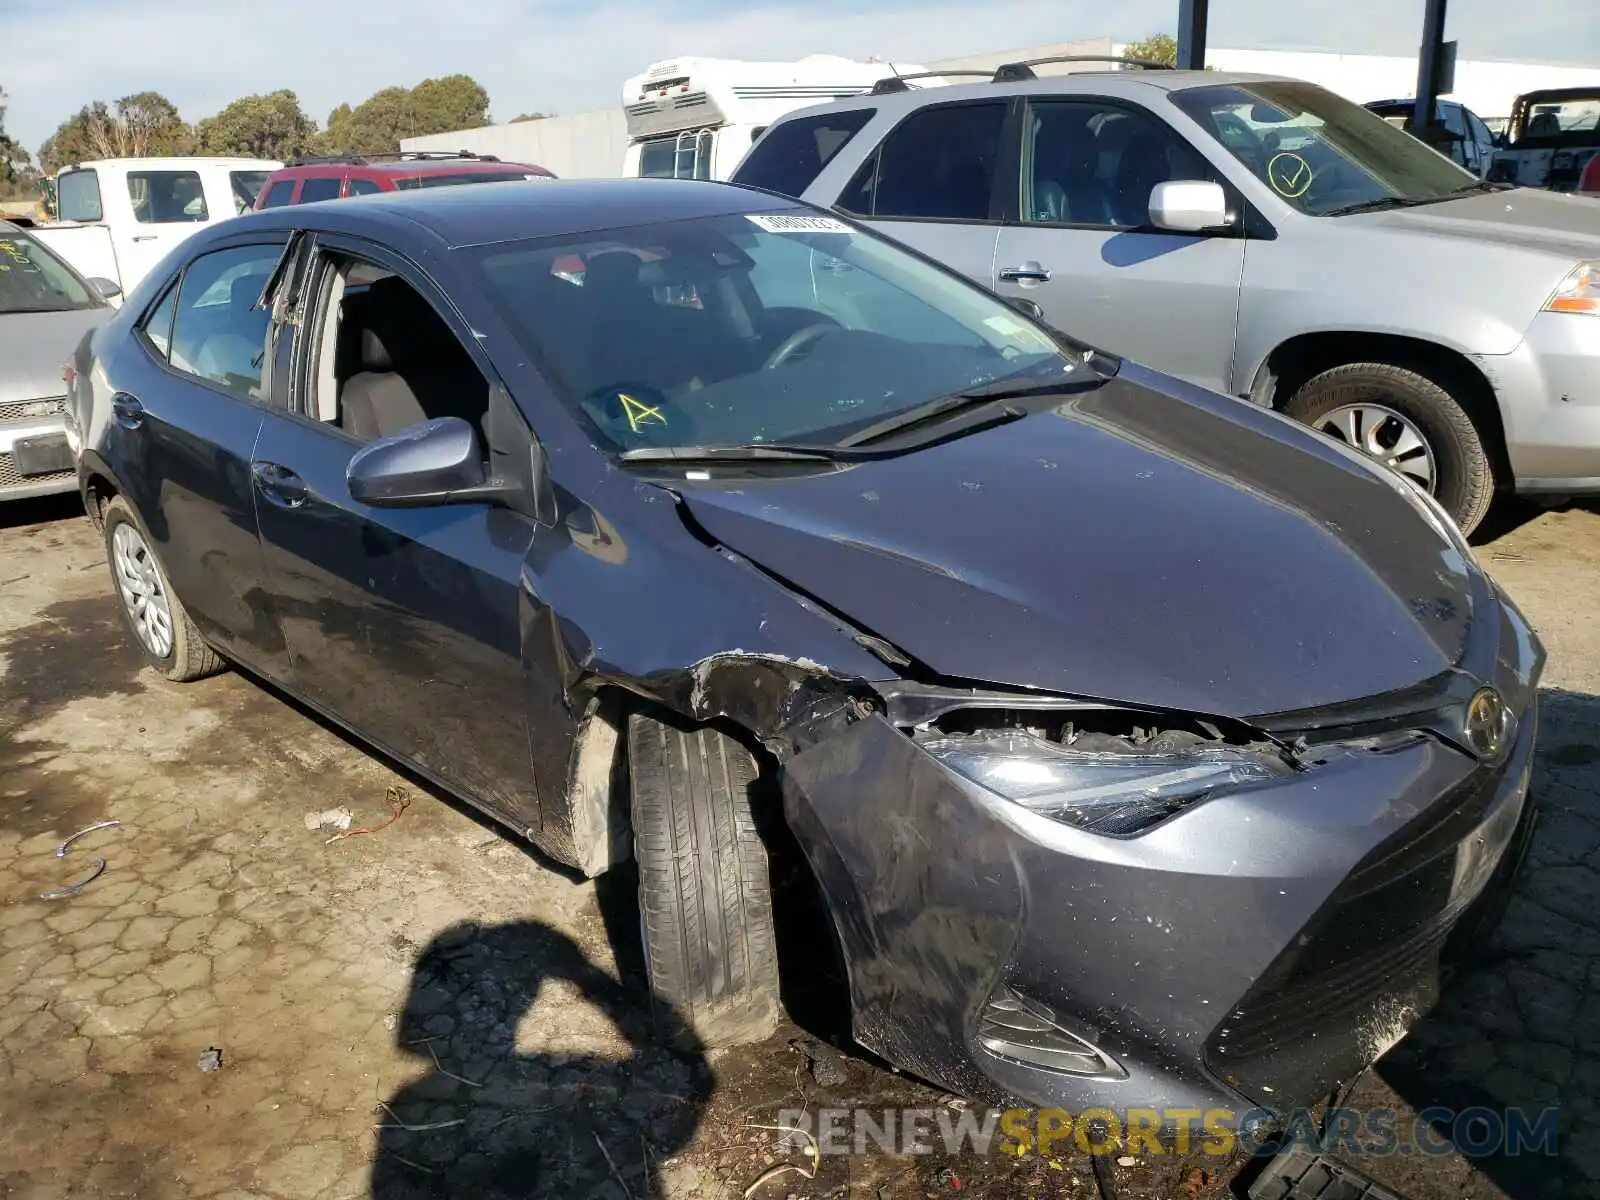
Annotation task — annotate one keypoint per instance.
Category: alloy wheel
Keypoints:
(1386, 435)
(144, 593)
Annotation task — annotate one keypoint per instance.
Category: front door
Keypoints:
(932, 184)
(168, 206)
(1082, 245)
(184, 434)
(403, 622)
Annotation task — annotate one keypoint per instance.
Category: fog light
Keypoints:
(1028, 1032)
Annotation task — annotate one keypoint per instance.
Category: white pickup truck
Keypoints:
(117, 217)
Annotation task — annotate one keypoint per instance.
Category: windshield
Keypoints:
(679, 156)
(783, 327)
(34, 280)
(1574, 120)
(1320, 152)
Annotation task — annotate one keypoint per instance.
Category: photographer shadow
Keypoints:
(492, 1121)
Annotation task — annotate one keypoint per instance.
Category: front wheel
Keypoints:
(1408, 423)
(705, 895)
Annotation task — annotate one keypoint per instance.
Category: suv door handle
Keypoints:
(279, 484)
(143, 237)
(1028, 272)
(127, 409)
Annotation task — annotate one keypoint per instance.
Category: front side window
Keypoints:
(78, 196)
(219, 333)
(1319, 152)
(936, 165)
(166, 197)
(1094, 164)
(793, 154)
(786, 326)
(324, 188)
(246, 187)
(32, 279)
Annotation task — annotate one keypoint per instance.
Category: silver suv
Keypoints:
(1262, 237)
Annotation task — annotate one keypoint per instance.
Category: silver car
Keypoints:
(1259, 236)
(45, 309)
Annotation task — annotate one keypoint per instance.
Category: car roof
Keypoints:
(490, 213)
(1125, 83)
(176, 163)
(412, 166)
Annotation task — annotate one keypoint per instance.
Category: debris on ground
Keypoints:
(399, 800)
(210, 1059)
(948, 1178)
(332, 818)
(825, 1065)
(72, 889)
(1191, 1183)
(813, 1153)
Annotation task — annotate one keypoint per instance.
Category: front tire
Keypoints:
(1410, 424)
(166, 638)
(705, 894)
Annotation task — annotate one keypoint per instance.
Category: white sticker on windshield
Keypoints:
(781, 223)
(1005, 326)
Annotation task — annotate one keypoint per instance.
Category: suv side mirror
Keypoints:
(432, 462)
(106, 289)
(1026, 306)
(1188, 206)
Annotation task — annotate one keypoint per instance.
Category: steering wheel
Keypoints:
(795, 342)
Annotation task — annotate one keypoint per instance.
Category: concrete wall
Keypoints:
(585, 145)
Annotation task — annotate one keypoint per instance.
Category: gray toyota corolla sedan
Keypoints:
(45, 309)
(1149, 748)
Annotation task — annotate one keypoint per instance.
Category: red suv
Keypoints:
(308, 179)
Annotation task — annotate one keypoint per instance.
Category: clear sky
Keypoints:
(570, 55)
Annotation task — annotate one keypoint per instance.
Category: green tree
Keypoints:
(539, 116)
(268, 126)
(376, 125)
(143, 125)
(1158, 47)
(18, 178)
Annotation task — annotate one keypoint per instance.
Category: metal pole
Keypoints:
(1192, 18)
(1424, 111)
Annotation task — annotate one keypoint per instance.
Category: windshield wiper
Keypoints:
(1384, 202)
(946, 407)
(748, 452)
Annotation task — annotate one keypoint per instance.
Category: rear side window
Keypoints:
(166, 197)
(364, 187)
(218, 332)
(78, 196)
(279, 194)
(936, 165)
(791, 155)
(313, 190)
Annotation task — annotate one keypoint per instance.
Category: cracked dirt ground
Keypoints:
(492, 1002)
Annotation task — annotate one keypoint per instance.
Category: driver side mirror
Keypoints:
(106, 289)
(433, 462)
(1188, 206)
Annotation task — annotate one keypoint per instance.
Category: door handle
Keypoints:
(144, 237)
(279, 484)
(1028, 272)
(127, 409)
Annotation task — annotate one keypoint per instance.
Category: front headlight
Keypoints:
(1104, 792)
(1579, 291)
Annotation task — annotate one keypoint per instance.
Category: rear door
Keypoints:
(192, 395)
(933, 183)
(1078, 239)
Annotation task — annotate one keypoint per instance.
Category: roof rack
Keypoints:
(313, 160)
(1013, 71)
(891, 84)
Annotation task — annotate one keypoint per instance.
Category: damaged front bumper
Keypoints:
(1251, 952)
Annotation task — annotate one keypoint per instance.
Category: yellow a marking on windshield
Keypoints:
(637, 413)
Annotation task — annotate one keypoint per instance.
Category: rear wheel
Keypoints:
(156, 618)
(1408, 423)
(705, 896)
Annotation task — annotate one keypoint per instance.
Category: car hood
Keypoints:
(35, 346)
(1524, 218)
(1147, 542)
